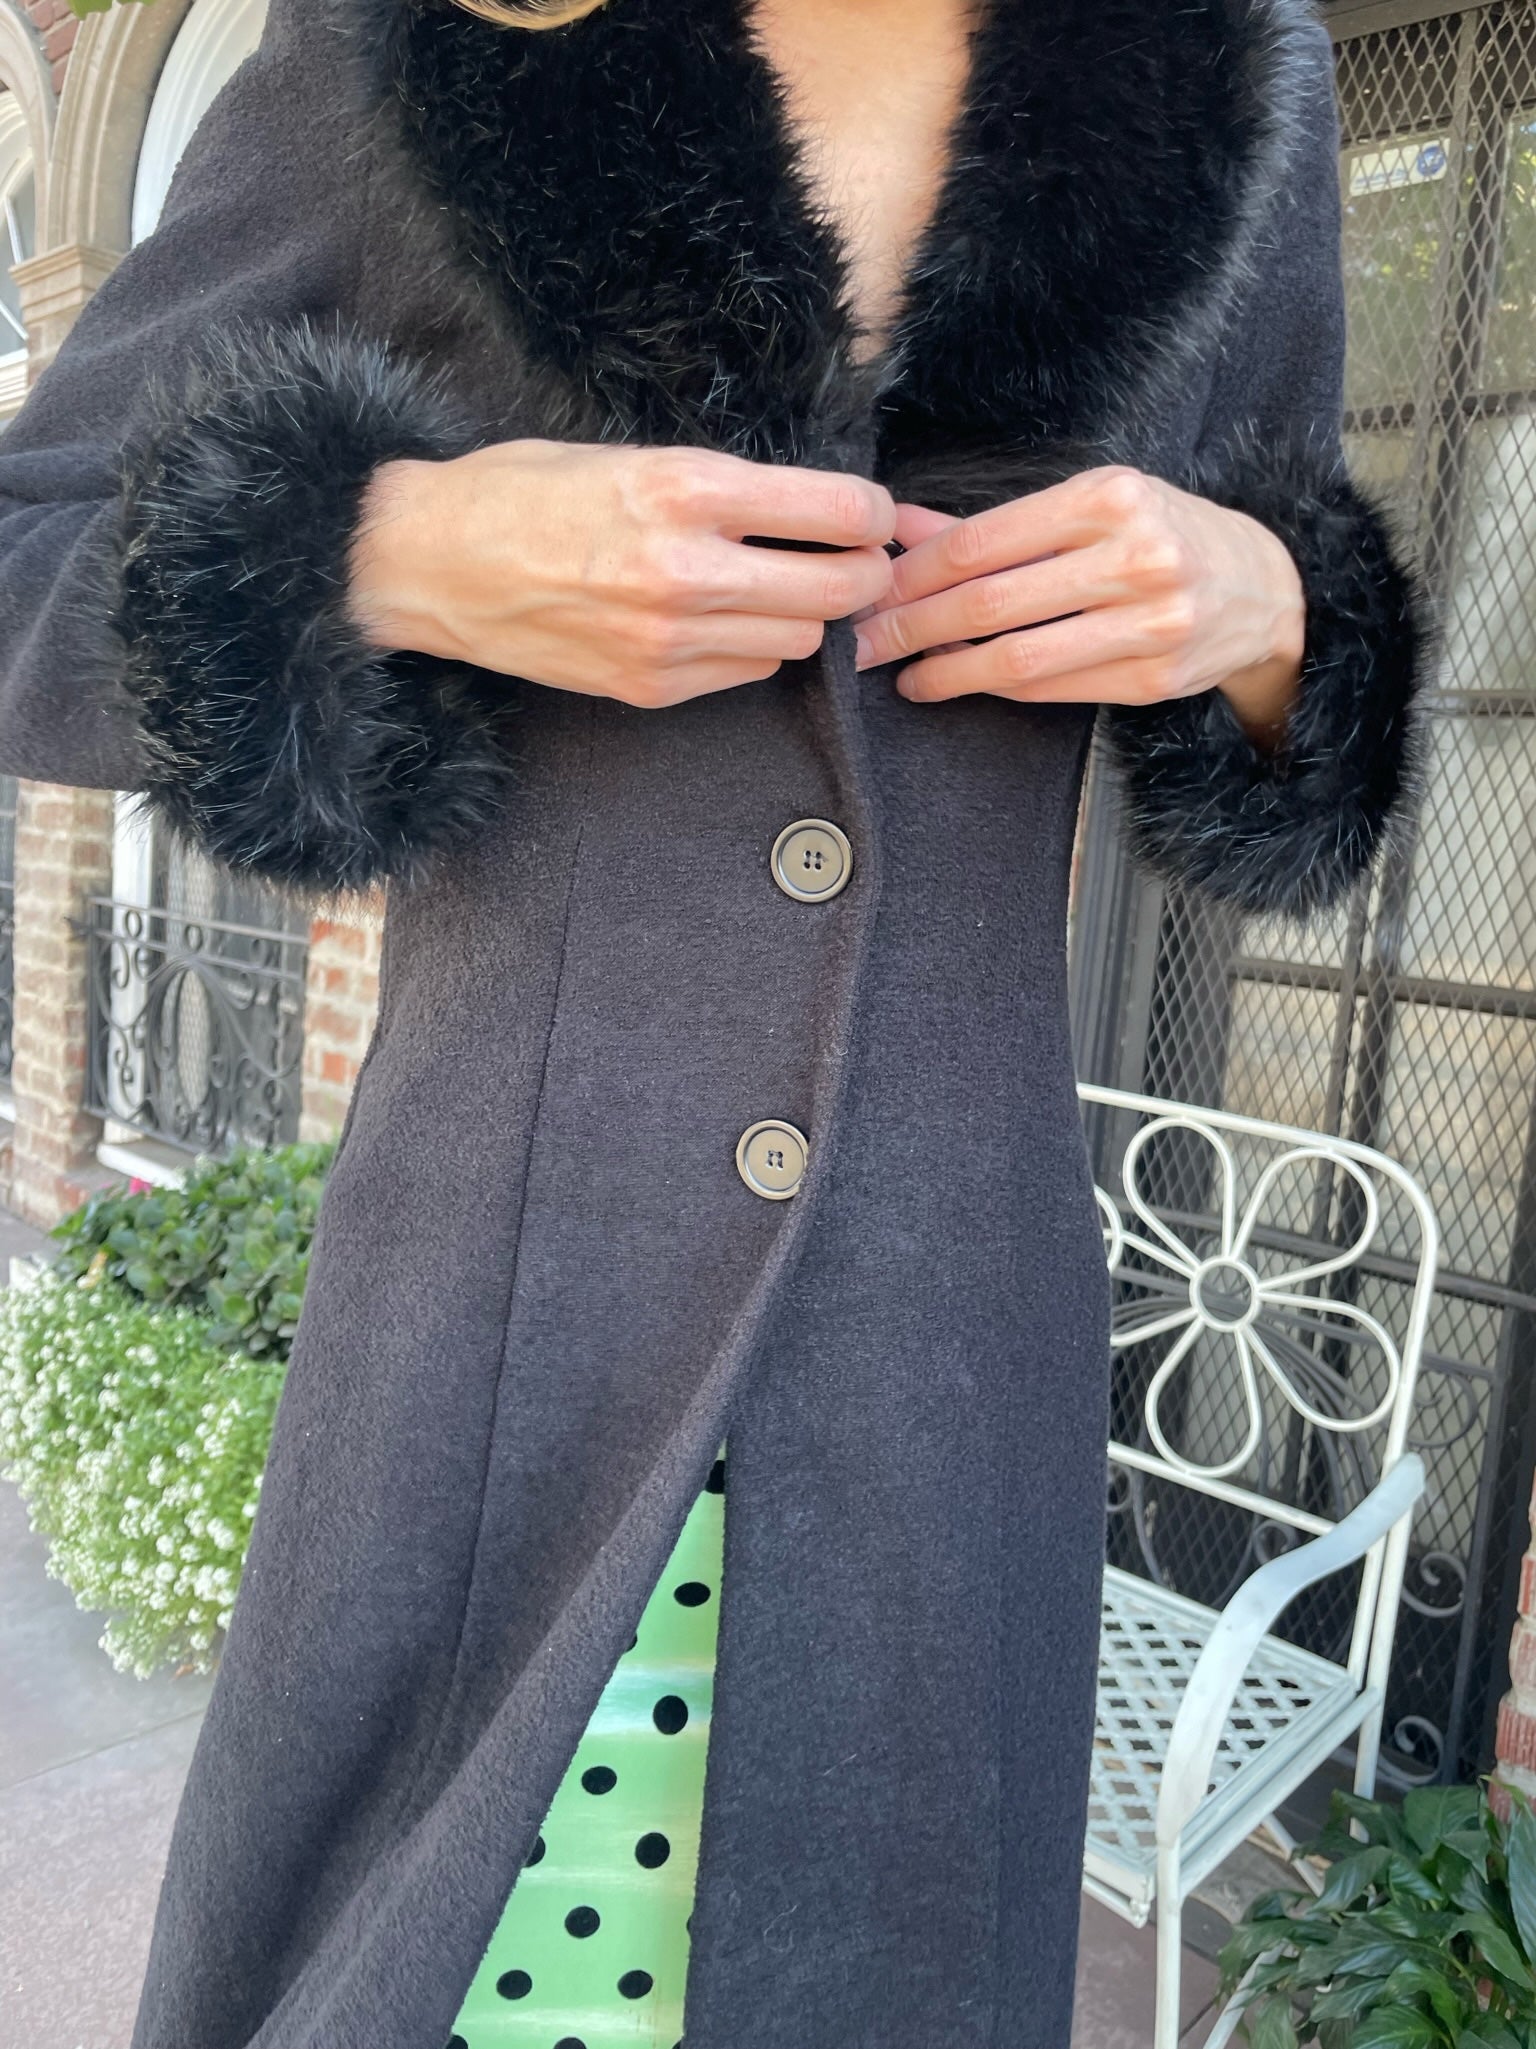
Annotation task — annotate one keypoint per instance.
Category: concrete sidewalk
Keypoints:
(91, 1767)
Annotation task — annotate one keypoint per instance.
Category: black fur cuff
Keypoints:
(1292, 830)
(277, 737)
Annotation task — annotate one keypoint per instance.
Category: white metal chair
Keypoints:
(1244, 1254)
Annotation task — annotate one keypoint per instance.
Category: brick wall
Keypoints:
(341, 994)
(1517, 1715)
(58, 26)
(63, 855)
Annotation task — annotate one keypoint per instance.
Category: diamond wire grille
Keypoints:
(1408, 1019)
(1148, 1648)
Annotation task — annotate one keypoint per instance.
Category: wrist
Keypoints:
(388, 563)
(1263, 692)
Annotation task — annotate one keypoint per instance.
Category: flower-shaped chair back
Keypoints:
(1272, 1288)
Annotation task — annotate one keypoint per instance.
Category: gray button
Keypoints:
(771, 1157)
(812, 860)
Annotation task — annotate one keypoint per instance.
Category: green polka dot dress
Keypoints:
(592, 1951)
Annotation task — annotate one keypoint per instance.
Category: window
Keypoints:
(18, 200)
(211, 44)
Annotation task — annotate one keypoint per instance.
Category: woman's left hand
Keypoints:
(1111, 587)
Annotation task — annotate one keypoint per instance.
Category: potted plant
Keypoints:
(1424, 1933)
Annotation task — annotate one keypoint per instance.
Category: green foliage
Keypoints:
(232, 1244)
(1424, 1936)
(84, 7)
(138, 1442)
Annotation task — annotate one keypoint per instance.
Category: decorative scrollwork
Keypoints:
(197, 1027)
(1417, 1738)
(1436, 1585)
(1280, 1331)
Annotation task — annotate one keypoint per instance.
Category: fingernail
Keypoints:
(865, 649)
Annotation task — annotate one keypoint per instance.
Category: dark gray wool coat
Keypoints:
(541, 1295)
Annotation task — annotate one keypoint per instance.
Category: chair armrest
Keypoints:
(1245, 1622)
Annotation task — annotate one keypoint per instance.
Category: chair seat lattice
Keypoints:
(1148, 1648)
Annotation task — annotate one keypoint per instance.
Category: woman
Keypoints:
(721, 1088)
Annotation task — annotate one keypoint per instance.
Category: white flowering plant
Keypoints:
(137, 1442)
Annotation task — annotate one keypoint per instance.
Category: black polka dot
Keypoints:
(653, 1850)
(457, 2042)
(601, 1778)
(514, 1984)
(633, 1641)
(715, 1484)
(536, 1854)
(570, 2042)
(583, 1921)
(691, 1594)
(670, 1714)
(635, 1984)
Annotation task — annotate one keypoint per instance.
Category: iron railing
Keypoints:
(1408, 1021)
(196, 1027)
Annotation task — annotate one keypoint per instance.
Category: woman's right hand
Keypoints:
(617, 572)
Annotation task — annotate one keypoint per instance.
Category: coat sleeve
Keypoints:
(177, 500)
(1290, 830)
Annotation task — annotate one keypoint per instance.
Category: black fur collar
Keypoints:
(629, 185)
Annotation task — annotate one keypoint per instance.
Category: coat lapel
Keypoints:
(629, 184)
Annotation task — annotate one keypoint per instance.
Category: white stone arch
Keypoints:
(108, 88)
(214, 38)
(139, 79)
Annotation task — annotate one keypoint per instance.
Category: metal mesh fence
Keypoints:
(1408, 1020)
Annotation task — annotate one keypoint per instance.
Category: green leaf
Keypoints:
(1347, 2001)
(1270, 2026)
(1355, 1875)
(1397, 2027)
(1353, 1956)
(1487, 2031)
(1497, 1949)
(1522, 1874)
(1464, 1847)
(1248, 1941)
(1474, 1894)
(1433, 1813)
(1414, 1923)
(1405, 1881)
(1380, 1823)
(1414, 1980)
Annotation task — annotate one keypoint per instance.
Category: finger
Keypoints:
(916, 524)
(785, 504)
(799, 586)
(1038, 662)
(704, 678)
(1079, 581)
(1141, 680)
(755, 635)
(1068, 515)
